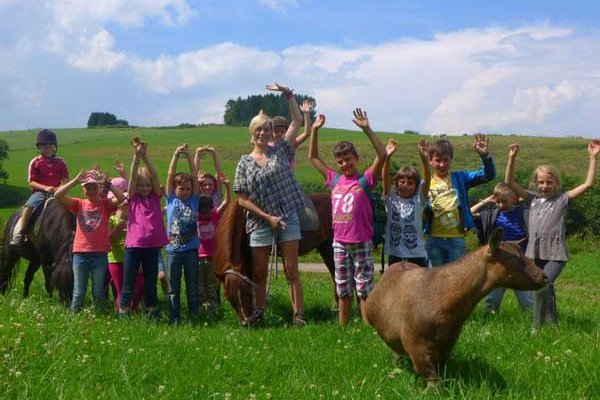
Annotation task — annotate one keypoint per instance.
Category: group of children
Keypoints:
(427, 218)
(120, 228)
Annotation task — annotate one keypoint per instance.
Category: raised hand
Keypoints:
(183, 149)
(513, 150)
(391, 147)
(319, 122)
(423, 148)
(306, 106)
(118, 165)
(481, 145)
(594, 148)
(221, 177)
(276, 87)
(361, 119)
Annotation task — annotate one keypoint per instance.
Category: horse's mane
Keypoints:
(229, 232)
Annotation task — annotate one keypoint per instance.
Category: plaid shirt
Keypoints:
(274, 188)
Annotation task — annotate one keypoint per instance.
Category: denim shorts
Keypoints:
(36, 199)
(262, 237)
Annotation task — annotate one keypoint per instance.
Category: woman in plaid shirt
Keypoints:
(267, 188)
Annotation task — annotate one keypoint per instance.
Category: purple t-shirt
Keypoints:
(145, 226)
(351, 211)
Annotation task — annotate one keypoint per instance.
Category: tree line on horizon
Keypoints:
(240, 111)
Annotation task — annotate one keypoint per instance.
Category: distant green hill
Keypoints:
(82, 148)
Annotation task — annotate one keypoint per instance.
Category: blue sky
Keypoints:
(434, 66)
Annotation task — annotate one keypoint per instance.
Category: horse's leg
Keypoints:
(10, 257)
(34, 265)
(325, 249)
(48, 268)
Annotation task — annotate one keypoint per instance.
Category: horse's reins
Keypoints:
(273, 263)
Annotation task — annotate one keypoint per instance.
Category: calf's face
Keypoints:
(518, 271)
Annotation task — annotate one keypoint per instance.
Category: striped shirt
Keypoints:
(274, 188)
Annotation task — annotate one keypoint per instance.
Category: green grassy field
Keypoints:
(82, 148)
(47, 352)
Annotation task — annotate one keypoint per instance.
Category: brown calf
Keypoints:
(421, 311)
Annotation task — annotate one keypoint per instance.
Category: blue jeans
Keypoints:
(84, 265)
(148, 258)
(186, 262)
(493, 300)
(444, 250)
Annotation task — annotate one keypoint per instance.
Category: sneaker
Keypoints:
(153, 315)
(254, 319)
(299, 320)
(16, 240)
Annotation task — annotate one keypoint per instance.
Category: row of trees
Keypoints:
(239, 112)
(105, 119)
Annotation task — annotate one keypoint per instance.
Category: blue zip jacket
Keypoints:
(462, 181)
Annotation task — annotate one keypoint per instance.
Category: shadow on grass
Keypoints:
(474, 373)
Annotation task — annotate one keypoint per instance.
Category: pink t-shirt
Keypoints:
(145, 226)
(206, 233)
(352, 215)
(47, 171)
(91, 233)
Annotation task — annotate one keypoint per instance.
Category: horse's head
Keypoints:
(232, 259)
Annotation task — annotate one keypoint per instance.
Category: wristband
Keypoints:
(289, 94)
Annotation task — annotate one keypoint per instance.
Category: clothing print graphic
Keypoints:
(183, 225)
(403, 214)
(89, 220)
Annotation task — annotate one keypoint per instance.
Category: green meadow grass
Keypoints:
(46, 352)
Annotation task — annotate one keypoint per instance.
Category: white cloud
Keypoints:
(71, 14)
(279, 5)
(531, 79)
(97, 54)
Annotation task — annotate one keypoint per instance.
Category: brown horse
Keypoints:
(50, 248)
(233, 258)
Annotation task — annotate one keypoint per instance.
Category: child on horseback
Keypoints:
(547, 244)
(404, 204)
(182, 251)
(146, 233)
(91, 244)
(351, 214)
(47, 172)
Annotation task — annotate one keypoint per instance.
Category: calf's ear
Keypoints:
(495, 239)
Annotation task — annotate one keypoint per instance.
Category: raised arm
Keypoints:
(292, 131)
(135, 163)
(193, 170)
(362, 121)
(509, 176)
(424, 156)
(593, 149)
(483, 203)
(153, 174)
(306, 107)
(61, 192)
(385, 172)
(224, 180)
(118, 165)
(170, 188)
(313, 146)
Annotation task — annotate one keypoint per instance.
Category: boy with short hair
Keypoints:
(47, 172)
(450, 217)
(351, 215)
(501, 210)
